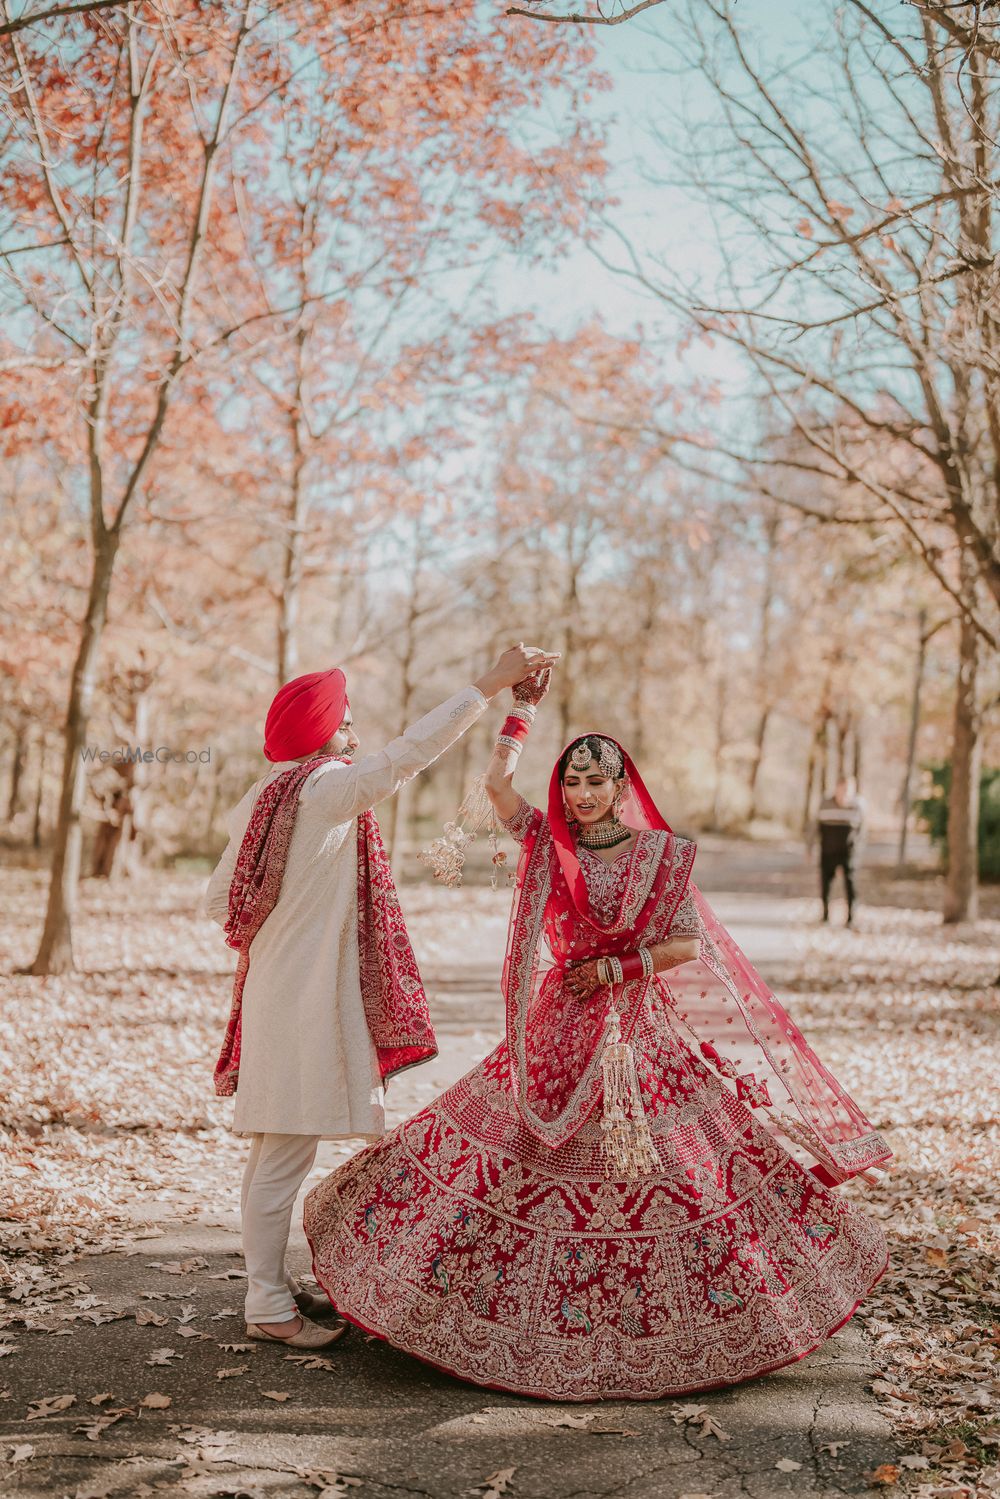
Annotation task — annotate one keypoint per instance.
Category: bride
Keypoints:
(633, 1195)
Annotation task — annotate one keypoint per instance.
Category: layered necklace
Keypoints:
(606, 834)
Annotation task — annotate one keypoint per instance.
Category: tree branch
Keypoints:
(8, 27)
(582, 20)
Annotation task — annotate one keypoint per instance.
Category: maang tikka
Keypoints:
(609, 760)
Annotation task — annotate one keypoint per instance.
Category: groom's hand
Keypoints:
(514, 665)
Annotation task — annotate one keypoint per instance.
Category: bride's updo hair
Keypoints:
(605, 754)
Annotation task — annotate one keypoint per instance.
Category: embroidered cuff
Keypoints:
(517, 825)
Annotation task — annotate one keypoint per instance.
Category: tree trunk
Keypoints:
(117, 840)
(291, 569)
(396, 820)
(961, 902)
(857, 758)
(906, 791)
(758, 757)
(818, 759)
(55, 951)
(36, 827)
(764, 658)
(807, 825)
(640, 666)
(715, 815)
(109, 831)
(213, 804)
(16, 770)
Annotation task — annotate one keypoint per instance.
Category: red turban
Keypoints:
(305, 713)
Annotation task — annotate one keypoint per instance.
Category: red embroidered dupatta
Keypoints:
(720, 1000)
(391, 988)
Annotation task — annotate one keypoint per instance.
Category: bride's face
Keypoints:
(589, 793)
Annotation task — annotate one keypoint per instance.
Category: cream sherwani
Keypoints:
(308, 1065)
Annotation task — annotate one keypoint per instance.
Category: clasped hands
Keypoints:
(584, 979)
(580, 979)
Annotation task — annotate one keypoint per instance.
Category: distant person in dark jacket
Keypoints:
(841, 825)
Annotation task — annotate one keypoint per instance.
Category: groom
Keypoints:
(327, 1000)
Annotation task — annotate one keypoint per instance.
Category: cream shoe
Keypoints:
(309, 1335)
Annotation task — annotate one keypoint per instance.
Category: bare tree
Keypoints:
(865, 300)
(107, 280)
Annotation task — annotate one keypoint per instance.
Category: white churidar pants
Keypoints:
(276, 1169)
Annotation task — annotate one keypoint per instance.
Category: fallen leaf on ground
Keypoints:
(275, 1394)
(201, 1436)
(100, 1399)
(161, 1357)
(49, 1405)
(885, 1474)
(787, 1465)
(498, 1483)
(698, 1415)
(21, 1453)
(92, 1430)
(180, 1267)
(231, 1373)
(329, 1485)
(309, 1360)
(156, 1401)
(236, 1347)
(833, 1447)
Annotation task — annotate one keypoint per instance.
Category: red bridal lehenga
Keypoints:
(490, 1236)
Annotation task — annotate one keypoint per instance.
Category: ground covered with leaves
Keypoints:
(110, 1144)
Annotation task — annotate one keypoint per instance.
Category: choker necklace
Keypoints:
(604, 834)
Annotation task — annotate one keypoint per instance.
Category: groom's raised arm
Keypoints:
(344, 791)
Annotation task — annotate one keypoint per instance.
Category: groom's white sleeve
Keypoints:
(343, 791)
(339, 792)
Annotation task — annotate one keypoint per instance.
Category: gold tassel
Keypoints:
(628, 1144)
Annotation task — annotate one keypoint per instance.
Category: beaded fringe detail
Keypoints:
(627, 1141)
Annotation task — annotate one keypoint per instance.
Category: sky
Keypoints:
(663, 218)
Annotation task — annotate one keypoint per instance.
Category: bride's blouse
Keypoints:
(606, 878)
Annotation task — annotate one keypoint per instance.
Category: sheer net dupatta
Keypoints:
(718, 1001)
(759, 1053)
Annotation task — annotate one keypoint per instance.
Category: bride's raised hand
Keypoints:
(533, 688)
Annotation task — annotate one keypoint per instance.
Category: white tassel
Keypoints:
(628, 1144)
(476, 809)
(446, 855)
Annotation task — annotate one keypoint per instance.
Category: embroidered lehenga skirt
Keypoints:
(462, 1240)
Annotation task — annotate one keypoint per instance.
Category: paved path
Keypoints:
(382, 1418)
